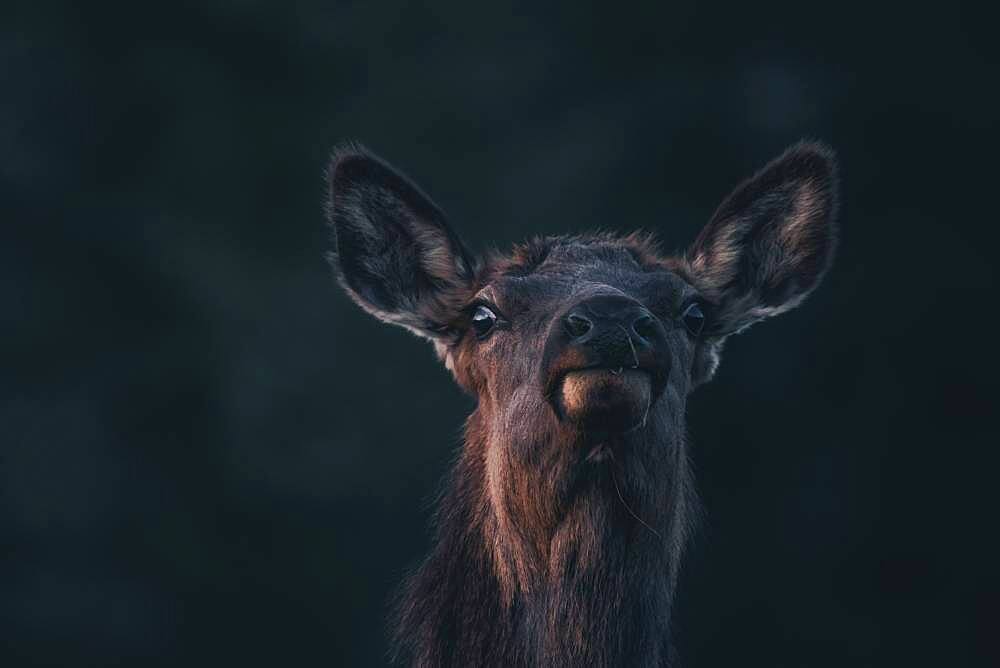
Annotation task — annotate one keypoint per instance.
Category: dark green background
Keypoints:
(209, 456)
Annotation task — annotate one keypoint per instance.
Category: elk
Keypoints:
(561, 526)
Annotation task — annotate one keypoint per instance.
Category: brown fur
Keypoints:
(558, 534)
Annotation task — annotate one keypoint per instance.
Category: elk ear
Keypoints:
(768, 244)
(394, 253)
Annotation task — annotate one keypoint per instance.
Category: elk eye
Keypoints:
(694, 318)
(483, 321)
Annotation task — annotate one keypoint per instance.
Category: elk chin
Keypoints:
(605, 401)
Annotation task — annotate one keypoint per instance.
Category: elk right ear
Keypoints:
(394, 253)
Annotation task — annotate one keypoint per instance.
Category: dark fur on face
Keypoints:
(558, 538)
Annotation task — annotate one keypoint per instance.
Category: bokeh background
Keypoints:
(208, 456)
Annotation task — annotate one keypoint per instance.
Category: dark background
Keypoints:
(209, 456)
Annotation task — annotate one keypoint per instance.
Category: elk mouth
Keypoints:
(605, 400)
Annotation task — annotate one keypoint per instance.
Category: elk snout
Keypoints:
(606, 361)
(612, 327)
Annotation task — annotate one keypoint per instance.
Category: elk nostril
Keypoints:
(645, 327)
(577, 325)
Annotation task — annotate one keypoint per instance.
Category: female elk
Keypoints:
(560, 532)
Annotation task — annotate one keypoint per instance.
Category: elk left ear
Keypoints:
(395, 255)
(767, 246)
(770, 242)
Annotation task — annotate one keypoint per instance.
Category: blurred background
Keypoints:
(209, 456)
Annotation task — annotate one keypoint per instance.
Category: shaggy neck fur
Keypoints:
(547, 567)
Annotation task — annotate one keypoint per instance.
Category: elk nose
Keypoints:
(578, 324)
(645, 327)
(590, 318)
(607, 333)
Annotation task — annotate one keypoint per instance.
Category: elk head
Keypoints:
(580, 350)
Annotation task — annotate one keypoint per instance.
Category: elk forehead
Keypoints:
(541, 275)
(572, 254)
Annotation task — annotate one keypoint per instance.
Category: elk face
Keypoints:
(578, 340)
(582, 348)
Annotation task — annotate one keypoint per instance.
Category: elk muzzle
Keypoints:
(606, 362)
